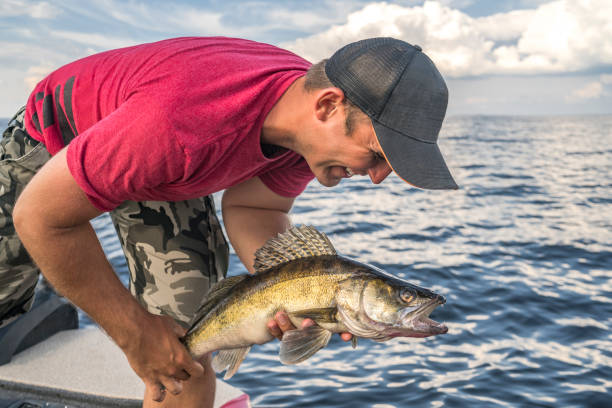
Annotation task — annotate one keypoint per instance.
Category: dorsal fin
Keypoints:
(217, 293)
(298, 242)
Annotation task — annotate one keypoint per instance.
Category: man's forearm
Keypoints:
(73, 261)
(249, 228)
(52, 217)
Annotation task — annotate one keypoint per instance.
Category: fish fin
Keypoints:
(321, 315)
(299, 345)
(217, 293)
(230, 360)
(296, 243)
(354, 342)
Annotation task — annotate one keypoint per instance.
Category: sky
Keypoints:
(499, 57)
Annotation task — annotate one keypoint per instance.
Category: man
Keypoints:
(149, 132)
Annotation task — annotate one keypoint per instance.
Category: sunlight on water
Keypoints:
(522, 252)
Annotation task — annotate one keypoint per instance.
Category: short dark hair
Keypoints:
(316, 78)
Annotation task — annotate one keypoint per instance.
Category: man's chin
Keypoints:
(329, 182)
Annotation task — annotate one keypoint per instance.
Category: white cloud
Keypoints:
(185, 19)
(43, 10)
(102, 42)
(198, 22)
(606, 79)
(149, 17)
(18, 51)
(475, 100)
(503, 26)
(35, 74)
(302, 20)
(39, 10)
(559, 36)
(592, 90)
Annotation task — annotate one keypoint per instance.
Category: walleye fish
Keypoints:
(300, 272)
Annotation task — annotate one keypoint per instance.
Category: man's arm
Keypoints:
(252, 214)
(52, 217)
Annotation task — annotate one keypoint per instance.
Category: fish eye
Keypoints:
(406, 295)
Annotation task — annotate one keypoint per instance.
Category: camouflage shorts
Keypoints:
(174, 250)
(20, 158)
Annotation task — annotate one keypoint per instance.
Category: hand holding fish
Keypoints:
(281, 324)
(159, 359)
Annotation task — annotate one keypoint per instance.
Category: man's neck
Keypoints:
(282, 124)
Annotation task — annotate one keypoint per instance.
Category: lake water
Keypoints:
(522, 253)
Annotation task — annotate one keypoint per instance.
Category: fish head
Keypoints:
(396, 308)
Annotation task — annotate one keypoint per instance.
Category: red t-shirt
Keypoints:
(168, 121)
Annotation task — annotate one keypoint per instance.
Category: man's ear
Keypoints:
(327, 102)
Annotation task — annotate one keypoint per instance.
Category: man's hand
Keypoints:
(281, 324)
(160, 359)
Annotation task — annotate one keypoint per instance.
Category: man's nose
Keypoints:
(379, 172)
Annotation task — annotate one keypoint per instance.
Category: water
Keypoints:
(522, 252)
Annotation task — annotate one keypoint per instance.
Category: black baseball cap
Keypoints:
(403, 93)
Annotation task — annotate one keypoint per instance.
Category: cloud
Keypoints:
(295, 19)
(592, 90)
(43, 10)
(100, 41)
(159, 18)
(559, 36)
(503, 26)
(476, 100)
(198, 22)
(38, 10)
(163, 16)
(252, 19)
(606, 79)
(17, 53)
(35, 74)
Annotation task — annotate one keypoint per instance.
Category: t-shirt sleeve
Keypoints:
(126, 155)
(289, 180)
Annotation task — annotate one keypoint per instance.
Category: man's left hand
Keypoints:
(281, 324)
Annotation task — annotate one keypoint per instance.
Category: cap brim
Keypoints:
(418, 163)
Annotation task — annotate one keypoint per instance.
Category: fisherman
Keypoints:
(148, 133)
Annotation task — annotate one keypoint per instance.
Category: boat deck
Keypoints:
(81, 368)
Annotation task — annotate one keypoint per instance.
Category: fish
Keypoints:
(300, 272)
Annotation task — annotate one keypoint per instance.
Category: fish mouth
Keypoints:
(420, 325)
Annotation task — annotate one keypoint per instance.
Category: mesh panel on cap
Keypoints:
(417, 105)
(368, 70)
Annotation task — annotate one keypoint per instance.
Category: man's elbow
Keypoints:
(23, 217)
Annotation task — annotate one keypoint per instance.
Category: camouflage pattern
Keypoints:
(20, 158)
(174, 250)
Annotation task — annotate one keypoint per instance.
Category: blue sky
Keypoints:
(498, 57)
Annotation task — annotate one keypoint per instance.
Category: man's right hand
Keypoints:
(159, 358)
